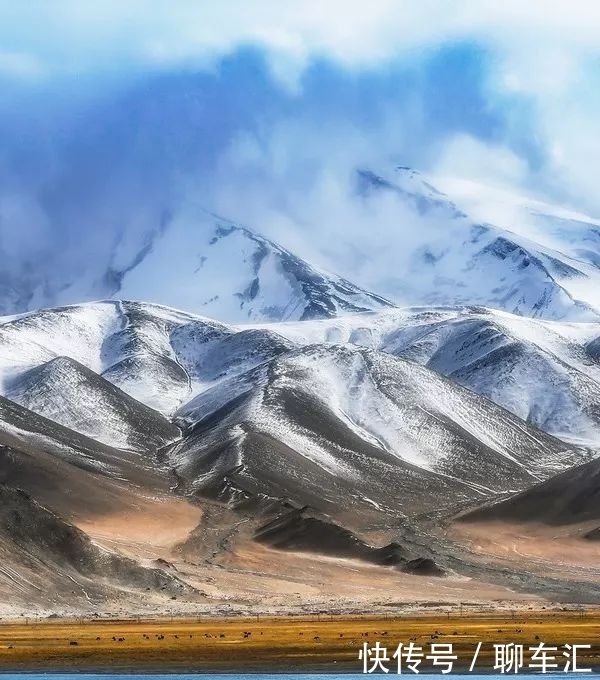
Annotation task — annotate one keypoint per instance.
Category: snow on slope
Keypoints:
(424, 241)
(131, 348)
(567, 241)
(197, 261)
(405, 408)
(337, 425)
(231, 273)
(29, 340)
(68, 393)
(139, 358)
(159, 356)
(552, 226)
(545, 372)
(495, 257)
(23, 430)
(103, 338)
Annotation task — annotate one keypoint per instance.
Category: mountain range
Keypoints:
(457, 243)
(359, 421)
(151, 455)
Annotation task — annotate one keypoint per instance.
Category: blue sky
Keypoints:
(113, 113)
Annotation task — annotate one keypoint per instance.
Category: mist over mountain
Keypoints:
(438, 253)
(106, 179)
(297, 301)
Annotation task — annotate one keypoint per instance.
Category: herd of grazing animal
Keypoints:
(246, 634)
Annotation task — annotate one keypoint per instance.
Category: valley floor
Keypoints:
(318, 642)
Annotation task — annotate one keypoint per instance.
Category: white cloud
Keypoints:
(85, 33)
(466, 157)
(542, 50)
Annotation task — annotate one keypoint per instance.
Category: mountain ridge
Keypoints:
(470, 244)
(351, 416)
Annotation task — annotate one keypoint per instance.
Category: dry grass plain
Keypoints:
(326, 643)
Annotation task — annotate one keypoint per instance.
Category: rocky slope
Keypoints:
(547, 373)
(65, 391)
(569, 498)
(40, 553)
(357, 428)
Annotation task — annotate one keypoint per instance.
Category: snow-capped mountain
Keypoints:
(229, 272)
(468, 247)
(53, 479)
(349, 423)
(204, 263)
(545, 372)
(342, 429)
(423, 241)
(67, 471)
(190, 367)
(159, 356)
(71, 394)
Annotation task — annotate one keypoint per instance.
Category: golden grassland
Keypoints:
(282, 643)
